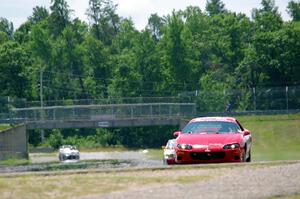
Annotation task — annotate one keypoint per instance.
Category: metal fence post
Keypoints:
(131, 112)
(287, 98)
(159, 113)
(254, 98)
(34, 114)
(54, 114)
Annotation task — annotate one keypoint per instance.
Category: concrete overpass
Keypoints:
(104, 116)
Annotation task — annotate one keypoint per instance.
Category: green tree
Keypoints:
(271, 58)
(39, 14)
(6, 27)
(13, 63)
(59, 17)
(66, 75)
(22, 34)
(195, 31)
(174, 50)
(126, 81)
(97, 67)
(41, 47)
(105, 137)
(267, 18)
(55, 139)
(293, 9)
(215, 7)
(155, 25)
(3, 37)
(148, 64)
(214, 95)
(105, 22)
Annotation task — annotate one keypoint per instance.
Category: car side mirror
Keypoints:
(246, 132)
(176, 134)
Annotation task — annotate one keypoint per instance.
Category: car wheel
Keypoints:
(249, 157)
(243, 155)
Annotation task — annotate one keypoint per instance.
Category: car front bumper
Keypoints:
(208, 156)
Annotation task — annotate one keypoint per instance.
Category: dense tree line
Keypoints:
(187, 50)
(212, 51)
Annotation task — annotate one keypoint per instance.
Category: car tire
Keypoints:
(243, 155)
(249, 157)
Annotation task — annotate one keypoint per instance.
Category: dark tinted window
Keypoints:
(211, 127)
(170, 144)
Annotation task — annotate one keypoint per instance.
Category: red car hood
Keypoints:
(206, 139)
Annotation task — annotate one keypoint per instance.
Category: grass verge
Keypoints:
(275, 137)
(79, 185)
(4, 127)
(15, 162)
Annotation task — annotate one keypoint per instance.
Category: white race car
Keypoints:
(68, 152)
(169, 152)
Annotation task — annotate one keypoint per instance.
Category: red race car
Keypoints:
(213, 140)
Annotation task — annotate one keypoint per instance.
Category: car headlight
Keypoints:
(185, 146)
(169, 156)
(231, 146)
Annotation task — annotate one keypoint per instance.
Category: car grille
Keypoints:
(207, 155)
(72, 157)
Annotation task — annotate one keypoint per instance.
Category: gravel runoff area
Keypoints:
(127, 159)
(255, 181)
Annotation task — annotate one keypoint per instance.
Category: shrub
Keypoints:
(55, 139)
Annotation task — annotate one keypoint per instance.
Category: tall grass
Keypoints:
(274, 137)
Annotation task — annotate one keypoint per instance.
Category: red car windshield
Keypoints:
(211, 127)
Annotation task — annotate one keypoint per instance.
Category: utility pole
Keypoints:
(42, 104)
(41, 87)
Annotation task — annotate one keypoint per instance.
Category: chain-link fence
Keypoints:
(100, 112)
(277, 98)
(125, 100)
(6, 103)
(248, 99)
